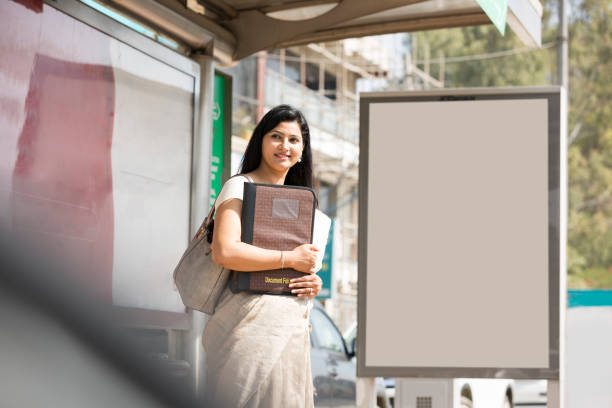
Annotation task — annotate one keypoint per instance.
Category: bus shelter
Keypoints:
(146, 69)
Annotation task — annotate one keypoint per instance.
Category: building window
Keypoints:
(273, 61)
(312, 76)
(330, 85)
(292, 66)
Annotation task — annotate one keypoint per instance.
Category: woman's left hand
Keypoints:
(307, 286)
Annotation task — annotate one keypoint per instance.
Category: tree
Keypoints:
(590, 153)
(590, 113)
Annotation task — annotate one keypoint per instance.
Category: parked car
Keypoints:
(382, 397)
(333, 364)
(334, 374)
(333, 370)
(530, 392)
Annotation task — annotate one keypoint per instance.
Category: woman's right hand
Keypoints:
(303, 258)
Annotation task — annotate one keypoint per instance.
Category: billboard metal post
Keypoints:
(556, 387)
(555, 392)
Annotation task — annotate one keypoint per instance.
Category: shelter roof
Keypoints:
(239, 28)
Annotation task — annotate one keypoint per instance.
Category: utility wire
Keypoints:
(489, 55)
(432, 60)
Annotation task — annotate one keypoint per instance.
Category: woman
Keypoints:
(257, 346)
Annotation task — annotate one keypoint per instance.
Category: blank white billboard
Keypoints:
(151, 165)
(455, 272)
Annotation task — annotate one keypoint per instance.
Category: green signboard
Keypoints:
(221, 143)
(326, 270)
(497, 10)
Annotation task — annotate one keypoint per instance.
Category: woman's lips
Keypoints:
(281, 156)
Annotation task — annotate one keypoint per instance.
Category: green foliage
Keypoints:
(513, 70)
(590, 155)
(590, 113)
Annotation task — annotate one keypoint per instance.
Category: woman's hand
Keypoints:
(307, 286)
(303, 258)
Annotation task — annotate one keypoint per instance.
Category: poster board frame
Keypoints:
(132, 316)
(556, 233)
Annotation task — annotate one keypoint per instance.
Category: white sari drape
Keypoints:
(258, 352)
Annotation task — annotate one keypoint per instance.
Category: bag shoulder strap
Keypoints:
(211, 213)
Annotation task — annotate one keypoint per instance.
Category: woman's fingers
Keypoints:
(306, 286)
(305, 278)
(310, 292)
(302, 284)
(306, 292)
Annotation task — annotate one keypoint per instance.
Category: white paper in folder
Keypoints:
(320, 232)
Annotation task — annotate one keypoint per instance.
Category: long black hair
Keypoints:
(301, 173)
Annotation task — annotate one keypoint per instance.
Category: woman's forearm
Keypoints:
(247, 258)
(230, 252)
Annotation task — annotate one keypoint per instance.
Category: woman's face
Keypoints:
(282, 147)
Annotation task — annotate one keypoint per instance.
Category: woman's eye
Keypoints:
(295, 140)
(275, 136)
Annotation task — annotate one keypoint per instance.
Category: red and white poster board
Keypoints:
(96, 151)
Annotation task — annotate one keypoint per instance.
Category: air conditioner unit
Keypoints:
(423, 393)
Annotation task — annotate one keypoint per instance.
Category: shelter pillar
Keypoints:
(200, 175)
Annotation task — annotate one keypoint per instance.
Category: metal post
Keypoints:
(556, 389)
(442, 66)
(427, 76)
(261, 83)
(414, 48)
(200, 202)
(338, 73)
(303, 66)
(282, 74)
(409, 74)
(366, 392)
(302, 51)
(321, 78)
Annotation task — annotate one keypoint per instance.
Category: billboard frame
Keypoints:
(556, 230)
(131, 316)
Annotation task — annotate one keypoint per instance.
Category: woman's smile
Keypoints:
(283, 156)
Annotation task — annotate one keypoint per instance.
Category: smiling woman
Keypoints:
(257, 345)
(283, 130)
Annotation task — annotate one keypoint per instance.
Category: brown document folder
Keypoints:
(274, 217)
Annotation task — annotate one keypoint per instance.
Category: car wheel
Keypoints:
(466, 402)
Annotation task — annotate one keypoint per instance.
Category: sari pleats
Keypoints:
(258, 352)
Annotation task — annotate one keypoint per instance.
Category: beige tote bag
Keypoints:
(198, 279)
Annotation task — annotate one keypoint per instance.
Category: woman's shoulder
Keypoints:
(238, 179)
(233, 188)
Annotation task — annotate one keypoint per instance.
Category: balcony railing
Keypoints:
(339, 119)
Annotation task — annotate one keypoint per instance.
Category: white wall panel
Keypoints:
(151, 162)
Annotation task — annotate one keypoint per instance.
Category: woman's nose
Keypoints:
(285, 143)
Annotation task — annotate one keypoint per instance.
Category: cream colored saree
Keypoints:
(258, 352)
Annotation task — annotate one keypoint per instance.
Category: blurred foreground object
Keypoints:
(60, 347)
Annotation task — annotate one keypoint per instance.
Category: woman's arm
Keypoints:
(229, 251)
